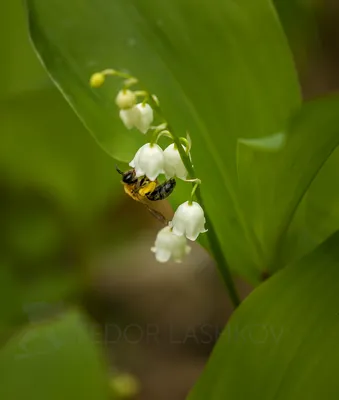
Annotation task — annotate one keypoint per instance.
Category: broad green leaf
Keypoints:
(276, 182)
(318, 215)
(321, 204)
(221, 69)
(19, 70)
(282, 342)
(53, 360)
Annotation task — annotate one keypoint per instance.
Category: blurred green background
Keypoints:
(56, 185)
(63, 214)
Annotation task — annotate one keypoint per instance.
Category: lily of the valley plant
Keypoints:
(151, 161)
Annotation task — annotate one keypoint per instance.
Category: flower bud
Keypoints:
(173, 163)
(169, 246)
(97, 79)
(125, 99)
(189, 220)
(149, 161)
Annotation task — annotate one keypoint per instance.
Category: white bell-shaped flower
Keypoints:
(129, 117)
(189, 220)
(145, 117)
(173, 163)
(125, 99)
(139, 116)
(149, 161)
(169, 246)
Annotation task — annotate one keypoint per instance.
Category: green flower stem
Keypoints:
(158, 133)
(141, 93)
(196, 182)
(213, 239)
(165, 133)
(185, 142)
(114, 72)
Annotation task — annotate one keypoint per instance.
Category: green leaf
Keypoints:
(282, 342)
(20, 69)
(321, 203)
(277, 182)
(44, 146)
(318, 215)
(222, 70)
(54, 360)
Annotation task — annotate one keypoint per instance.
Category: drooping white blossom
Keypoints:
(125, 99)
(129, 117)
(139, 116)
(149, 161)
(169, 246)
(189, 220)
(173, 163)
(145, 117)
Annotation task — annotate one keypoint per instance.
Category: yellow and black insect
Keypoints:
(146, 191)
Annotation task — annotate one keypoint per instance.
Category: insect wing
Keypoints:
(156, 214)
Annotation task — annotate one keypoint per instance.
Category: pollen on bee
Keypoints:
(148, 188)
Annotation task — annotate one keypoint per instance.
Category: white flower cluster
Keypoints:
(151, 161)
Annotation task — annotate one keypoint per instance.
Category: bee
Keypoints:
(146, 191)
